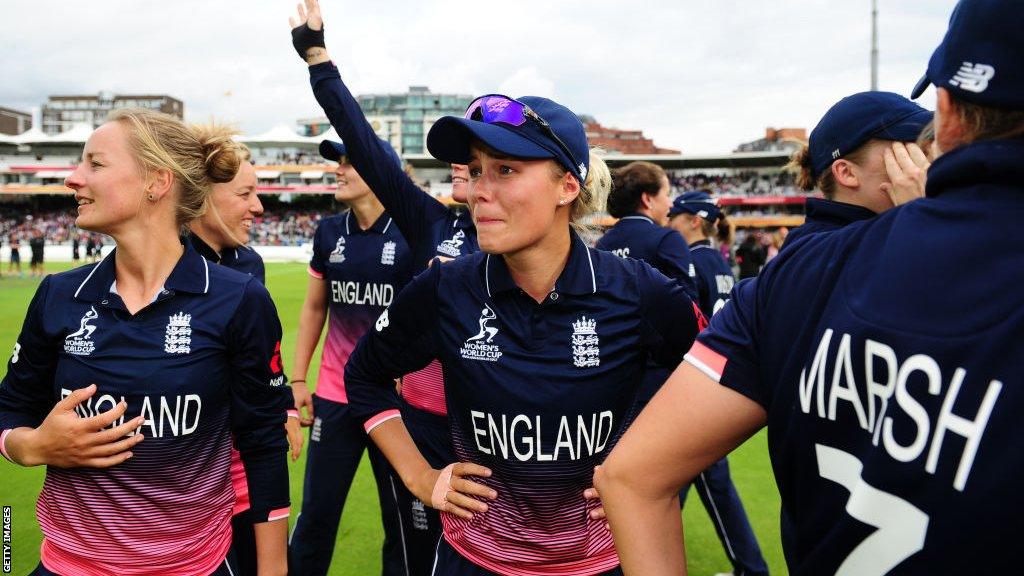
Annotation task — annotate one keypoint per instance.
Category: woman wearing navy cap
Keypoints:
(697, 218)
(541, 339)
(220, 235)
(856, 156)
(360, 262)
(433, 232)
(640, 200)
(157, 345)
(893, 420)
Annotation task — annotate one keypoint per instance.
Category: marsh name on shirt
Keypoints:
(362, 293)
(164, 415)
(886, 377)
(521, 436)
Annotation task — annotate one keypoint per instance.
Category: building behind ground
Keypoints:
(14, 122)
(60, 113)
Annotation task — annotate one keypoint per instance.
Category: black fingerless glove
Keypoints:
(303, 38)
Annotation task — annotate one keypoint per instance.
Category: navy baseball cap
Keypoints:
(981, 58)
(861, 117)
(699, 203)
(333, 151)
(545, 129)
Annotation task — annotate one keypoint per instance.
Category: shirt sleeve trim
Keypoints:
(314, 273)
(711, 363)
(279, 514)
(3, 444)
(380, 419)
(293, 413)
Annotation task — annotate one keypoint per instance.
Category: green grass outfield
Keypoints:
(358, 550)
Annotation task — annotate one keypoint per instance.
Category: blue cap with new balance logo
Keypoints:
(861, 117)
(698, 203)
(981, 59)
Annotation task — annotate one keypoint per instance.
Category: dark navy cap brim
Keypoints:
(450, 137)
(906, 129)
(332, 150)
(921, 86)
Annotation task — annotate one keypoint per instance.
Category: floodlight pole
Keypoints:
(874, 44)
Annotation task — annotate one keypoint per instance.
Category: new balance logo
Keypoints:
(973, 77)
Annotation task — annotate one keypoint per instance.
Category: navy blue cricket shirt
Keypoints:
(637, 236)
(539, 393)
(202, 361)
(823, 215)
(889, 357)
(363, 271)
(713, 277)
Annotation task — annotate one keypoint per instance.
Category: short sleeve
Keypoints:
(727, 350)
(403, 340)
(318, 261)
(671, 319)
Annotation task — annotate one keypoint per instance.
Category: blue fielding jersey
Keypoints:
(363, 271)
(200, 363)
(537, 392)
(889, 356)
(824, 215)
(713, 276)
(428, 225)
(241, 258)
(637, 236)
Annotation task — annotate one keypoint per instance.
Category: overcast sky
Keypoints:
(696, 75)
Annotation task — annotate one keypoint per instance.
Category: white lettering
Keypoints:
(477, 432)
(876, 389)
(917, 413)
(972, 430)
(844, 373)
(817, 375)
(521, 436)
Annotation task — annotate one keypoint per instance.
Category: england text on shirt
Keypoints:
(537, 392)
(200, 362)
(363, 271)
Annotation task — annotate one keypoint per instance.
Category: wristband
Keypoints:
(443, 485)
(293, 413)
(297, 381)
(304, 38)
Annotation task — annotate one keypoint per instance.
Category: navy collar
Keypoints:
(841, 213)
(704, 242)
(993, 162)
(204, 249)
(639, 217)
(380, 226)
(190, 274)
(577, 277)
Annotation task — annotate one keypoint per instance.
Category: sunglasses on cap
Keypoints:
(499, 109)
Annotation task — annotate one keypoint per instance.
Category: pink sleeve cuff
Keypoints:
(278, 514)
(380, 419)
(711, 363)
(314, 273)
(3, 444)
(293, 413)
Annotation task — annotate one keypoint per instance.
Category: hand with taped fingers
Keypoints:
(907, 167)
(66, 440)
(308, 33)
(455, 493)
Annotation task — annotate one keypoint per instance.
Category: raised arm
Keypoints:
(411, 208)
